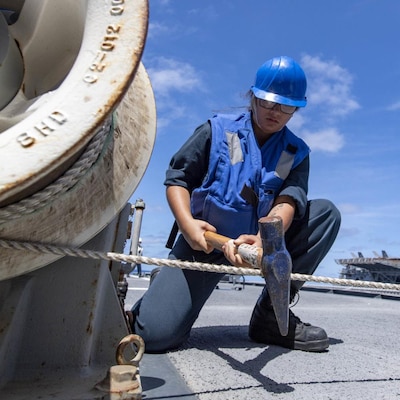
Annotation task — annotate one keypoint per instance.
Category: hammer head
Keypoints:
(276, 267)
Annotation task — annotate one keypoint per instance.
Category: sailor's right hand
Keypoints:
(230, 248)
(193, 233)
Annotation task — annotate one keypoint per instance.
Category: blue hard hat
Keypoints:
(282, 81)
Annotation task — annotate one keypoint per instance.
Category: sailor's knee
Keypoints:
(328, 210)
(159, 340)
(334, 214)
(159, 334)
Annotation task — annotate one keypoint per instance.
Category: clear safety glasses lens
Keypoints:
(282, 107)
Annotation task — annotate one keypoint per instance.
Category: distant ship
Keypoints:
(378, 269)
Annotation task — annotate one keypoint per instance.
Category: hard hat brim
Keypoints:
(276, 98)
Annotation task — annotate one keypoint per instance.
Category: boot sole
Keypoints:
(316, 346)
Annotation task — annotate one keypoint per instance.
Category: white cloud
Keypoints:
(394, 106)
(172, 112)
(329, 140)
(329, 86)
(330, 96)
(173, 83)
(349, 208)
(157, 29)
(168, 75)
(297, 121)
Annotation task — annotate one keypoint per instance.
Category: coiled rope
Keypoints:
(198, 266)
(63, 183)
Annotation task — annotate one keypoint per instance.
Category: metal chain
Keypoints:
(198, 266)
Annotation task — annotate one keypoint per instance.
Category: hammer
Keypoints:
(274, 261)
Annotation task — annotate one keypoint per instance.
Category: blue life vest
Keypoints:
(243, 179)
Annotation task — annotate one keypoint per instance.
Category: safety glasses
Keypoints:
(282, 107)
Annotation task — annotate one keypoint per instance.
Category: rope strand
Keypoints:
(198, 266)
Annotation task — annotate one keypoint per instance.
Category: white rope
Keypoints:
(63, 183)
(198, 266)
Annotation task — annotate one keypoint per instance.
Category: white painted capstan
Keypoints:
(77, 129)
(82, 77)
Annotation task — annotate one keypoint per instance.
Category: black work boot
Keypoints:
(264, 328)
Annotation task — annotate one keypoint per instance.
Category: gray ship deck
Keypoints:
(220, 362)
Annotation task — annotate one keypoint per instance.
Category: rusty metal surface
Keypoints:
(84, 210)
(60, 326)
(39, 135)
(124, 379)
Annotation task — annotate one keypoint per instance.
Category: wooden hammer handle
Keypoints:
(251, 255)
(216, 240)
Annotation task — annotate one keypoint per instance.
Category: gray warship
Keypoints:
(380, 268)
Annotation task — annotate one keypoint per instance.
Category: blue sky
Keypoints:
(202, 58)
